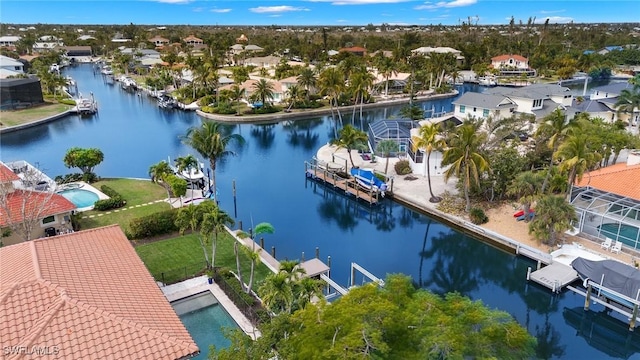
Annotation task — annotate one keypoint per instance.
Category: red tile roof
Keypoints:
(354, 49)
(7, 174)
(507, 57)
(89, 296)
(33, 204)
(620, 179)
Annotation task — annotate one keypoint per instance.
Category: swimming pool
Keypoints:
(81, 198)
(628, 233)
(205, 320)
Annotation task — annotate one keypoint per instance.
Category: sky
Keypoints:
(314, 12)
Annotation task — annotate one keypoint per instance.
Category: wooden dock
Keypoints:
(554, 276)
(330, 177)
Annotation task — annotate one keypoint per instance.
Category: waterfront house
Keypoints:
(537, 99)
(355, 50)
(78, 51)
(607, 202)
(482, 106)
(248, 88)
(47, 43)
(194, 42)
(86, 295)
(270, 61)
(512, 65)
(606, 97)
(27, 196)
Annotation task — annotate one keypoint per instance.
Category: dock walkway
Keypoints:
(330, 176)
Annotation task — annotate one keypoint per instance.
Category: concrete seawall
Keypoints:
(35, 123)
(305, 114)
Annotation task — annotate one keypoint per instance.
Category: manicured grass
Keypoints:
(19, 117)
(135, 192)
(182, 257)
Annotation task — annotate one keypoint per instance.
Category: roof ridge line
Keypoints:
(8, 292)
(35, 260)
(42, 322)
(122, 320)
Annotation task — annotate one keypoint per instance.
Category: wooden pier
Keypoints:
(329, 175)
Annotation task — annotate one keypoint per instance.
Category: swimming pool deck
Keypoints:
(200, 284)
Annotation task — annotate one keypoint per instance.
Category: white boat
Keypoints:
(487, 81)
(569, 252)
(367, 179)
(191, 174)
(86, 106)
(106, 70)
(128, 83)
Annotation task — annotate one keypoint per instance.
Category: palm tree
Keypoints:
(526, 186)
(293, 93)
(264, 90)
(159, 172)
(253, 254)
(213, 221)
(556, 127)
(386, 67)
(430, 140)
(308, 80)
(350, 138)
(576, 157)
(331, 83)
(306, 289)
(467, 163)
(187, 163)
(254, 257)
(211, 144)
(190, 217)
(628, 101)
(554, 215)
(292, 269)
(386, 148)
(359, 83)
(277, 292)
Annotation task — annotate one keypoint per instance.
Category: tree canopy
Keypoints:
(396, 321)
(83, 159)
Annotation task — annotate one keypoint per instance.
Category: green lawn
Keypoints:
(19, 117)
(182, 257)
(135, 192)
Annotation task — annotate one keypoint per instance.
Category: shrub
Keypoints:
(90, 177)
(207, 100)
(208, 109)
(68, 178)
(109, 191)
(155, 224)
(113, 202)
(67, 102)
(477, 216)
(402, 167)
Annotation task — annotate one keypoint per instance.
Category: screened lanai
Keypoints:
(397, 130)
(606, 215)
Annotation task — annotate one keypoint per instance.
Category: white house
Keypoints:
(426, 50)
(10, 67)
(47, 43)
(159, 41)
(536, 99)
(9, 41)
(263, 61)
(512, 65)
(482, 106)
(603, 98)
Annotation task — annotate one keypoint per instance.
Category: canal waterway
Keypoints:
(268, 172)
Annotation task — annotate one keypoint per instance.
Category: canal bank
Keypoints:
(301, 114)
(36, 122)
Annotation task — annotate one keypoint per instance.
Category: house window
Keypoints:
(462, 108)
(485, 112)
(475, 109)
(48, 220)
(537, 103)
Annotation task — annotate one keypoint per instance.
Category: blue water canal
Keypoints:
(134, 133)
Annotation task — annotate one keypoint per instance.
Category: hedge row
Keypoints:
(115, 200)
(155, 224)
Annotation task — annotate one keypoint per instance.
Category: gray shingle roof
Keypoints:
(485, 101)
(613, 88)
(533, 91)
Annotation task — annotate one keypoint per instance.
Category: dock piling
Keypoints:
(317, 252)
(273, 251)
(529, 273)
(262, 242)
(587, 300)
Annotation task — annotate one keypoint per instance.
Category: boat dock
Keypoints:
(554, 276)
(330, 173)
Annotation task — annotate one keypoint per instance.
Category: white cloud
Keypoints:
(220, 11)
(174, 1)
(555, 20)
(275, 15)
(360, 2)
(445, 4)
(342, 21)
(276, 9)
(551, 11)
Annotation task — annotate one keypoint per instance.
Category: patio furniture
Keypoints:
(606, 244)
(617, 247)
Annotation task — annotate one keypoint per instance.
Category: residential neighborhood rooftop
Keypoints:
(88, 295)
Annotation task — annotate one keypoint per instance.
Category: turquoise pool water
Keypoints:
(81, 198)
(628, 233)
(205, 320)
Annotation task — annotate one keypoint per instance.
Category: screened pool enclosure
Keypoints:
(396, 130)
(607, 215)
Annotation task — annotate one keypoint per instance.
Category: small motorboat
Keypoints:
(367, 179)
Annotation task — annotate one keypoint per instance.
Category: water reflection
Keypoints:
(264, 136)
